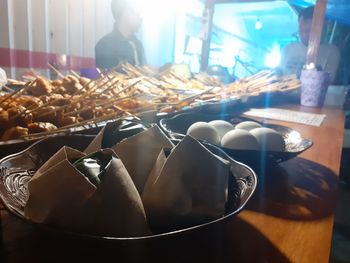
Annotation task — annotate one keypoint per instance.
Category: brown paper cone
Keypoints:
(191, 186)
(156, 170)
(57, 188)
(62, 155)
(114, 132)
(96, 143)
(62, 197)
(115, 208)
(139, 153)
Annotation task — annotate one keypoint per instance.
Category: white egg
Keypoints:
(204, 131)
(269, 139)
(247, 125)
(222, 127)
(239, 140)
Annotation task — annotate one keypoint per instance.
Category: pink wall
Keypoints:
(61, 32)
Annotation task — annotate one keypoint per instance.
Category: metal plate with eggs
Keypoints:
(177, 127)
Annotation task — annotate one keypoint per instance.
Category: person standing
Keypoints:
(121, 44)
(294, 54)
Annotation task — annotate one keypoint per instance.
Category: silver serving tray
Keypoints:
(12, 146)
(17, 169)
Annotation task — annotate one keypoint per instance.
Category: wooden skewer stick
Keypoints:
(105, 104)
(100, 72)
(119, 66)
(128, 113)
(67, 128)
(175, 75)
(75, 74)
(7, 88)
(40, 107)
(83, 87)
(293, 87)
(13, 81)
(34, 72)
(50, 102)
(59, 74)
(260, 74)
(15, 92)
(82, 97)
(129, 86)
(61, 107)
(193, 97)
(88, 93)
(109, 103)
(107, 88)
(102, 105)
(130, 68)
(98, 85)
(29, 78)
(143, 109)
(97, 119)
(149, 71)
(56, 71)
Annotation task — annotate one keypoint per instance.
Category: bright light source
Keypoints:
(194, 46)
(158, 7)
(157, 13)
(273, 59)
(258, 24)
(230, 50)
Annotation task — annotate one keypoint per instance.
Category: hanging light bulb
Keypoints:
(258, 24)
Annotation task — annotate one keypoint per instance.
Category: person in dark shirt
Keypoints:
(121, 44)
(294, 54)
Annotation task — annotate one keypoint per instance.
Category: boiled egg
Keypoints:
(239, 140)
(204, 131)
(248, 125)
(222, 127)
(269, 139)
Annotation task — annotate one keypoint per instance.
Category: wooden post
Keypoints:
(207, 30)
(316, 31)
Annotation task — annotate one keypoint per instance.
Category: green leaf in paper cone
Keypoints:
(121, 129)
(93, 166)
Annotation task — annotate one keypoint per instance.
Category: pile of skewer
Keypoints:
(42, 107)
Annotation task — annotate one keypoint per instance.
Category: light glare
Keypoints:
(273, 59)
(258, 25)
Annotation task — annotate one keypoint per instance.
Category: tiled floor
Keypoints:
(341, 233)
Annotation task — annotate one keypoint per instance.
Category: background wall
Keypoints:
(34, 33)
(61, 32)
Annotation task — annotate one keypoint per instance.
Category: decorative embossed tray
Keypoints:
(17, 169)
(176, 127)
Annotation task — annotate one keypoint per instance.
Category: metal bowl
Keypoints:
(176, 127)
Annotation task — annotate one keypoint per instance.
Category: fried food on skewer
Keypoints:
(14, 133)
(73, 100)
(36, 127)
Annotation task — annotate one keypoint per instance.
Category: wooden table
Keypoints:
(289, 219)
